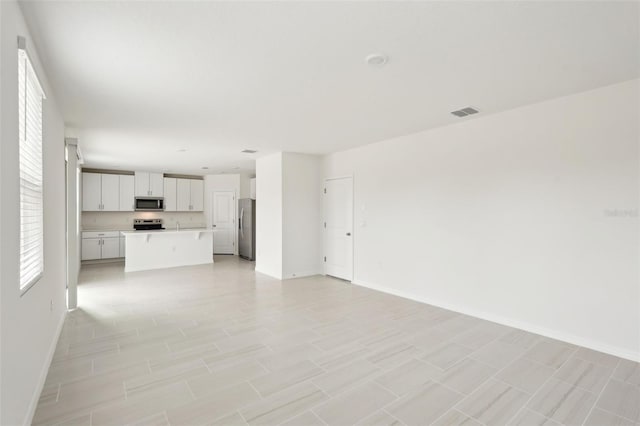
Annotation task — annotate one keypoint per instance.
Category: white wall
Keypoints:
(29, 326)
(245, 185)
(288, 215)
(224, 182)
(301, 214)
(269, 215)
(527, 217)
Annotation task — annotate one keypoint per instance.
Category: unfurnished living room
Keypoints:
(323, 213)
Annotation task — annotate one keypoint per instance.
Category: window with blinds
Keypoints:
(31, 182)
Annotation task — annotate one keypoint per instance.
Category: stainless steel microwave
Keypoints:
(149, 204)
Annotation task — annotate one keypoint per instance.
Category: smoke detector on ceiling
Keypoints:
(248, 151)
(377, 59)
(464, 112)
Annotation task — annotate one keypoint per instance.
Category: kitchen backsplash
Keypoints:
(124, 220)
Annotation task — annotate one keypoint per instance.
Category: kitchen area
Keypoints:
(154, 220)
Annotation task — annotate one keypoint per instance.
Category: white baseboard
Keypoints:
(276, 276)
(510, 322)
(302, 275)
(43, 373)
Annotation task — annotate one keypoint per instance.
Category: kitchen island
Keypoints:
(156, 249)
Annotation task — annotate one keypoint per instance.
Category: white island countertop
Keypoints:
(166, 248)
(166, 231)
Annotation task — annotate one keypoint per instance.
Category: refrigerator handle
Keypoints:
(242, 222)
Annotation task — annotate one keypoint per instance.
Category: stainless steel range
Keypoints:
(147, 224)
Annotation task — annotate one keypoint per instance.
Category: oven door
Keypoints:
(149, 204)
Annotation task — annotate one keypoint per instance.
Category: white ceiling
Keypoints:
(141, 80)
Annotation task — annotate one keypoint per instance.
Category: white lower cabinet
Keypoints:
(91, 248)
(122, 246)
(101, 245)
(110, 248)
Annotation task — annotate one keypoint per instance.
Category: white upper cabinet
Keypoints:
(156, 184)
(127, 193)
(149, 184)
(170, 200)
(91, 192)
(183, 195)
(142, 184)
(197, 195)
(189, 195)
(110, 192)
(101, 192)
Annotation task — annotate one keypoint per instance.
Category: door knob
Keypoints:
(348, 234)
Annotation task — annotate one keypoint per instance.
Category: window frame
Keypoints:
(30, 148)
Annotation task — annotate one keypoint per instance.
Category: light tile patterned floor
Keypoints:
(220, 344)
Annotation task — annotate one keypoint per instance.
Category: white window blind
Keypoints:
(31, 182)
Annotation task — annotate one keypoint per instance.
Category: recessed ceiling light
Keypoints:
(182, 150)
(249, 151)
(377, 59)
(236, 168)
(205, 168)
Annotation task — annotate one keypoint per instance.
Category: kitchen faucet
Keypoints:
(177, 226)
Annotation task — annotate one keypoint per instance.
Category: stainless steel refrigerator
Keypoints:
(247, 228)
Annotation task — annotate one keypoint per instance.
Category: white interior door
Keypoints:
(338, 228)
(223, 220)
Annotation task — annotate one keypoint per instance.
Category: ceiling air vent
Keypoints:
(248, 151)
(464, 112)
